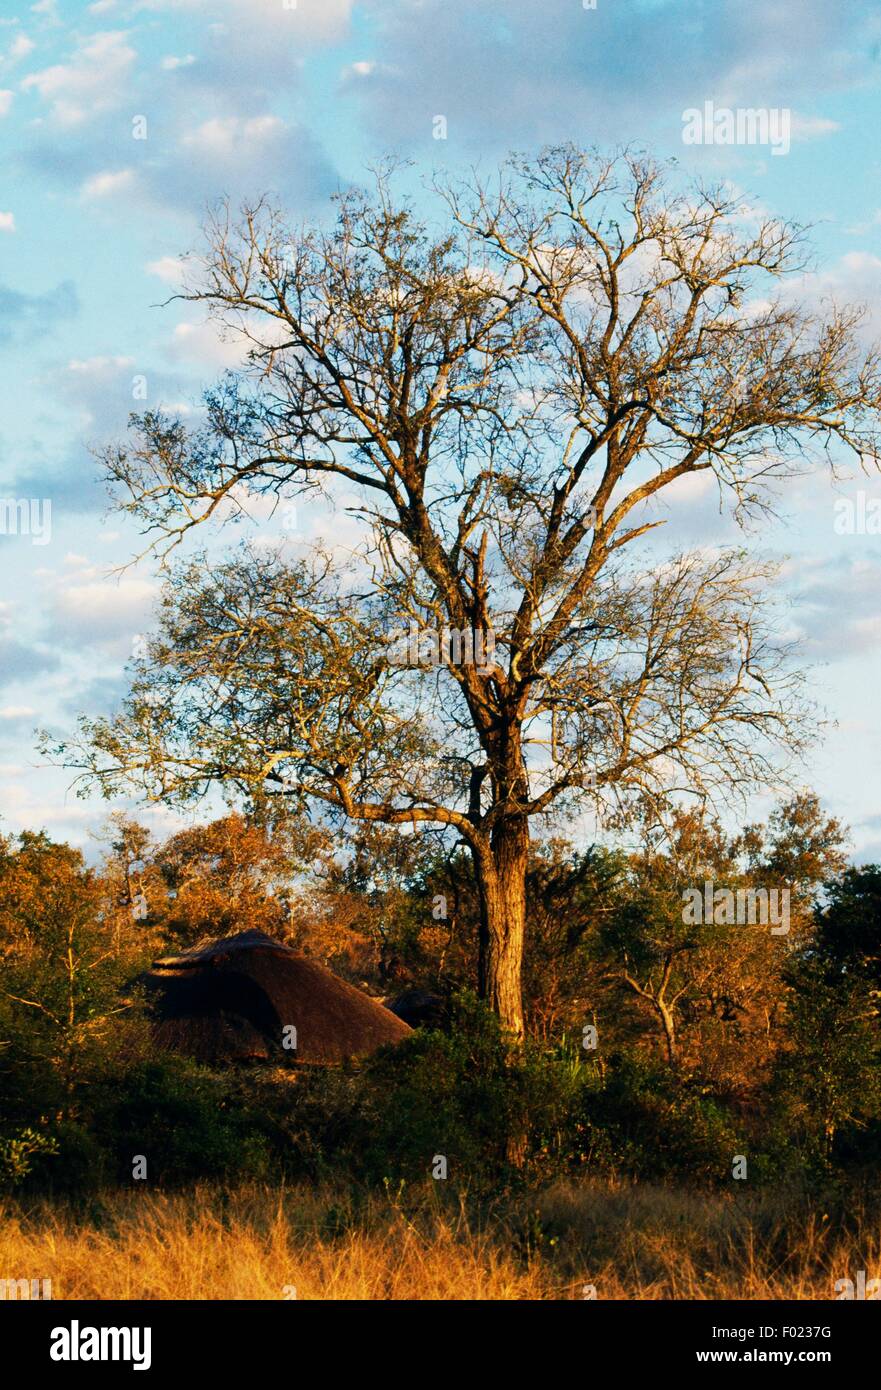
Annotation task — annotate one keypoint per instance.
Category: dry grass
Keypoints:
(648, 1242)
(259, 1243)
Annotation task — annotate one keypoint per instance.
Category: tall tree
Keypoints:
(506, 401)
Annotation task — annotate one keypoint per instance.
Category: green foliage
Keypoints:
(829, 1077)
(827, 1080)
(181, 1119)
(465, 1095)
(82, 1089)
(638, 1118)
(60, 989)
(17, 1154)
(849, 927)
(80, 1161)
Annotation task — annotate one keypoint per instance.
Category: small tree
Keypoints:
(506, 402)
(831, 1068)
(61, 979)
(849, 926)
(829, 1071)
(704, 965)
(229, 875)
(129, 883)
(654, 948)
(572, 895)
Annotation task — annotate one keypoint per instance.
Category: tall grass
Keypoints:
(265, 1243)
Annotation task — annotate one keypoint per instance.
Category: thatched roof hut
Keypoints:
(420, 1008)
(232, 999)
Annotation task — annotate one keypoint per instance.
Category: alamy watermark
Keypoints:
(860, 517)
(869, 1291)
(76, 1343)
(744, 125)
(764, 907)
(27, 516)
(447, 646)
(27, 1289)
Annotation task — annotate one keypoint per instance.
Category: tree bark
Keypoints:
(502, 881)
(669, 1031)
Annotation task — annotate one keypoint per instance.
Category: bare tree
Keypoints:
(505, 401)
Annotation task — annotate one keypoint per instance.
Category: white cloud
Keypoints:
(201, 343)
(7, 222)
(97, 366)
(355, 74)
(20, 47)
(360, 69)
(102, 612)
(233, 134)
(108, 183)
(811, 127)
(99, 388)
(320, 21)
(96, 79)
(9, 712)
(329, 20)
(171, 62)
(854, 279)
(834, 607)
(169, 269)
(5, 101)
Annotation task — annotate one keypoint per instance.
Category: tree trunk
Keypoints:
(502, 880)
(669, 1030)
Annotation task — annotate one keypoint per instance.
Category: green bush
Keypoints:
(490, 1109)
(497, 1113)
(181, 1119)
(79, 1163)
(640, 1118)
(18, 1153)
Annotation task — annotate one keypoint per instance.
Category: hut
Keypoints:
(420, 1008)
(248, 997)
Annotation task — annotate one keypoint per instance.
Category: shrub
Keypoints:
(18, 1152)
(490, 1109)
(181, 1119)
(641, 1119)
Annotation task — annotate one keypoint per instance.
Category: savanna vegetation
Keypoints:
(659, 1056)
(614, 1076)
(567, 1242)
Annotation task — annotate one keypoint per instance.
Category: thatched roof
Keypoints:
(231, 999)
(420, 1008)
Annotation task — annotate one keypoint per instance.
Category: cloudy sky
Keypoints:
(120, 120)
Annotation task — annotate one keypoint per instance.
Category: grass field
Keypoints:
(266, 1243)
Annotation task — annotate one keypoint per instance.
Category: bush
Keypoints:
(492, 1111)
(642, 1119)
(18, 1152)
(181, 1119)
(80, 1161)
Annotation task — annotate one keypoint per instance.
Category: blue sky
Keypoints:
(241, 97)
